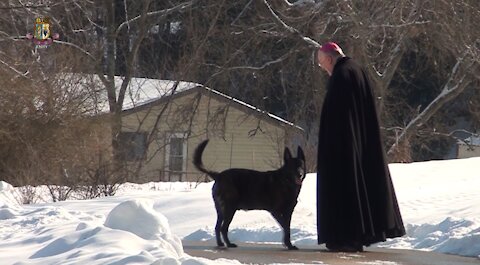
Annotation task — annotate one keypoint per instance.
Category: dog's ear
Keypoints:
(300, 154)
(287, 155)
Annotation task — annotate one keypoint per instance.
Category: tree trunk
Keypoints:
(450, 91)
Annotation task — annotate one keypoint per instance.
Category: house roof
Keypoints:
(185, 88)
(246, 105)
(143, 92)
(140, 91)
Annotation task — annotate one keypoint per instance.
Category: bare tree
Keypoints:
(380, 34)
(256, 51)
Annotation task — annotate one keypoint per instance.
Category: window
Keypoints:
(133, 145)
(176, 156)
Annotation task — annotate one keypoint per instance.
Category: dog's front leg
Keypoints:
(286, 234)
(284, 220)
(286, 238)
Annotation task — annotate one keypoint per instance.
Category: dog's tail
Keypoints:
(197, 160)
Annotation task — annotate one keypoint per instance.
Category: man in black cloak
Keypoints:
(356, 202)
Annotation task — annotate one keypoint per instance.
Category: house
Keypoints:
(469, 148)
(163, 122)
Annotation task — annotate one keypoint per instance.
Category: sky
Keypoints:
(144, 224)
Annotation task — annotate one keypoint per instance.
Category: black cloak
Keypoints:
(356, 201)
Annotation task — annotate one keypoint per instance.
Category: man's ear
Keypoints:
(300, 154)
(287, 155)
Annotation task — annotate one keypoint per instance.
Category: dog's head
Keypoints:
(295, 166)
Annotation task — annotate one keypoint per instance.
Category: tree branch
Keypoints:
(265, 65)
(24, 75)
(76, 47)
(449, 92)
(414, 23)
(290, 29)
(158, 13)
(241, 13)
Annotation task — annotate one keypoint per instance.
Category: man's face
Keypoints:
(325, 61)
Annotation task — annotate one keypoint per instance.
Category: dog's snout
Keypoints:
(301, 173)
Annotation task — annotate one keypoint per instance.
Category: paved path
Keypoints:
(271, 253)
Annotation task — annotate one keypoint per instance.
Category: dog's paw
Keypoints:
(231, 245)
(292, 247)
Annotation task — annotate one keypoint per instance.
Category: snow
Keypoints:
(144, 224)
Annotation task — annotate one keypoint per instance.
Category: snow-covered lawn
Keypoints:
(144, 224)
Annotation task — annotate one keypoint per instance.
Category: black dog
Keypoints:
(243, 189)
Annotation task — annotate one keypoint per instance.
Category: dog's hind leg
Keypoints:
(284, 220)
(218, 225)
(226, 223)
(217, 230)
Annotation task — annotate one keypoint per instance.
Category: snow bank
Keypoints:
(9, 206)
(139, 217)
(7, 198)
(133, 233)
(451, 236)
